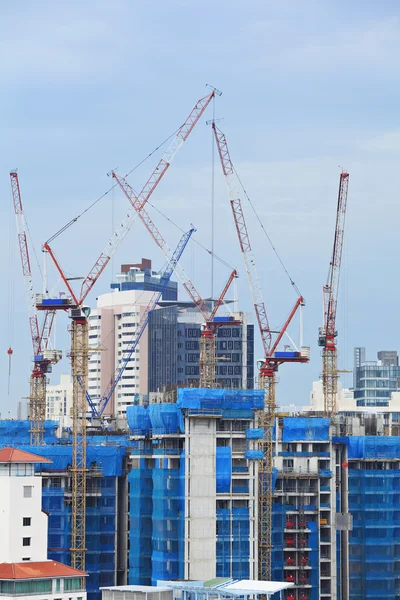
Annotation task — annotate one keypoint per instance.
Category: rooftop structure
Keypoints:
(141, 277)
(199, 590)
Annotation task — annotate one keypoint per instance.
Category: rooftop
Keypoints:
(228, 587)
(37, 570)
(13, 455)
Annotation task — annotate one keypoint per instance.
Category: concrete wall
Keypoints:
(200, 521)
(14, 507)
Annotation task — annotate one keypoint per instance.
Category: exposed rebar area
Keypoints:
(79, 359)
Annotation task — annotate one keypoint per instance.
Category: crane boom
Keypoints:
(25, 261)
(39, 335)
(162, 244)
(331, 289)
(207, 344)
(244, 239)
(149, 187)
(164, 163)
(328, 333)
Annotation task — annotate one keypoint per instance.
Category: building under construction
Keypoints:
(176, 498)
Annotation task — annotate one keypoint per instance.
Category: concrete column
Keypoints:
(200, 479)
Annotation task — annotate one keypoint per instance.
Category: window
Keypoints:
(72, 584)
(26, 541)
(26, 559)
(26, 521)
(27, 491)
(33, 587)
(58, 585)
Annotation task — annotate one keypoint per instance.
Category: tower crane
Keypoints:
(328, 333)
(79, 333)
(43, 357)
(210, 326)
(268, 366)
(127, 353)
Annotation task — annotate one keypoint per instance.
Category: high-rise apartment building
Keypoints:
(375, 381)
(59, 401)
(174, 348)
(169, 350)
(193, 485)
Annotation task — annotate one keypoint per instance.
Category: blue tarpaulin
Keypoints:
(254, 454)
(202, 398)
(107, 458)
(138, 419)
(224, 468)
(256, 433)
(166, 418)
(14, 431)
(302, 428)
(371, 447)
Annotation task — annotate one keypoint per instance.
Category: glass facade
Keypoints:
(162, 343)
(374, 382)
(174, 351)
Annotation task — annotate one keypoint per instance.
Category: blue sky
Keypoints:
(307, 88)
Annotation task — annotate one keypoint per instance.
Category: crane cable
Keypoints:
(11, 303)
(267, 235)
(75, 219)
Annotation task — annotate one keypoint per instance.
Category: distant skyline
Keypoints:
(308, 88)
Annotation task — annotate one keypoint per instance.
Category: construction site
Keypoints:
(173, 460)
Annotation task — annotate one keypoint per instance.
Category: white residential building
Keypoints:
(25, 570)
(59, 401)
(112, 326)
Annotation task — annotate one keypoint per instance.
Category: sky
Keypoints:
(309, 88)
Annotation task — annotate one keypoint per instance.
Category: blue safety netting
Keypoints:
(166, 418)
(374, 502)
(300, 428)
(233, 547)
(140, 524)
(371, 447)
(224, 468)
(275, 473)
(202, 398)
(101, 524)
(109, 440)
(138, 419)
(106, 458)
(159, 418)
(279, 518)
(157, 523)
(166, 517)
(17, 432)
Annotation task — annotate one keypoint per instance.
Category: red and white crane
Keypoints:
(210, 326)
(328, 333)
(79, 332)
(42, 356)
(268, 367)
